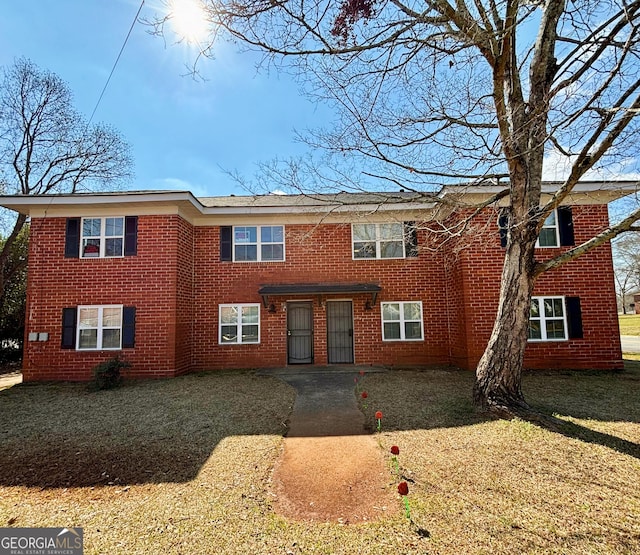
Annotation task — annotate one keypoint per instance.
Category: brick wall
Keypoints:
(476, 271)
(147, 281)
(177, 282)
(315, 254)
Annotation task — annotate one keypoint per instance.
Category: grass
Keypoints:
(183, 466)
(629, 324)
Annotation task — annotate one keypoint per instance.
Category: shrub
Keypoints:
(108, 374)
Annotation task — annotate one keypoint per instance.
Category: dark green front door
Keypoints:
(300, 333)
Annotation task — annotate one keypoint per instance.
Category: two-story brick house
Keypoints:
(176, 284)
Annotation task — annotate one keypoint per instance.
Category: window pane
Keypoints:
(555, 329)
(228, 315)
(114, 227)
(412, 311)
(551, 220)
(364, 232)
(113, 247)
(535, 308)
(250, 314)
(391, 250)
(88, 318)
(229, 334)
(558, 309)
(250, 334)
(111, 339)
(272, 252)
(246, 252)
(364, 250)
(111, 317)
(91, 227)
(391, 311)
(91, 248)
(88, 339)
(392, 330)
(534, 330)
(390, 232)
(412, 330)
(548, 237)
(245, 235)
(271, 234)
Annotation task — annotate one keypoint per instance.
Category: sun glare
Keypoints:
(188, 20)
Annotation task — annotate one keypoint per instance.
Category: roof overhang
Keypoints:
(306, 289)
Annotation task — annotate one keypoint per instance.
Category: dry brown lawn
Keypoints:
(183, 466)
(629, 324)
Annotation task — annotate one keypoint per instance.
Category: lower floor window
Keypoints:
(402, 321)
(99, 327)
(548, 320)
(239, 323)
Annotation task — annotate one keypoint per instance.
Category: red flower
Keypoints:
(403, 488)
(379, 415)
(365, 395)
(395, 450)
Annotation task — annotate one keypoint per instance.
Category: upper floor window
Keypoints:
(102, 237)
(548, 320)
(378, 240)
(99, 327)
(239, 323)
(402, 321)
(549, 234)
(262, 243)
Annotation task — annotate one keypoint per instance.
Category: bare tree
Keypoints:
(478, 91)
(47, 147)
(626, 263)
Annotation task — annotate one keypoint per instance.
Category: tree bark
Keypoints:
(498, 376)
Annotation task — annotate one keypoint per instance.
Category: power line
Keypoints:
(133, 23)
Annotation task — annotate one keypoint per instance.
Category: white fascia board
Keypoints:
(41, 205)
(618, 188)
(323, 209)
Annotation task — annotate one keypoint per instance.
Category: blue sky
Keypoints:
(181, 130)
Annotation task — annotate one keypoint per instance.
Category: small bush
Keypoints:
(108, 374)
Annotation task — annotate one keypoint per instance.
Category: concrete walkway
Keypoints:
(8, 380)
(325, 402)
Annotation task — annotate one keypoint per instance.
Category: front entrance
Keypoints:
(339, 332)
(300, 333)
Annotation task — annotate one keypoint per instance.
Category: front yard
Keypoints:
(629, 324)
(184, 465)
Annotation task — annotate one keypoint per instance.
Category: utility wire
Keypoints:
(133, 23)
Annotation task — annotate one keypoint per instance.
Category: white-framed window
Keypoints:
(377, 240)
(548, 319)
(550, 232)
(102, 237)
(258, 243)
(402, 321)
(239, 323)
(99, 327)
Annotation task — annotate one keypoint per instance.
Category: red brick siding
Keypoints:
(589, 277)
(177, 282)
(146, 281)
(315, 254)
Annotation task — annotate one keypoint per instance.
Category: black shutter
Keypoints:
(72, 238)
(410, 239)
(503, 223)
(69, 316)
(128, 327)
(225, 243)
(565, 226)
(131, 235)
(574, 317)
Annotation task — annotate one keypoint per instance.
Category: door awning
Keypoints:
(301, 289)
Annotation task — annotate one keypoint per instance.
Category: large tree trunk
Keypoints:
(497, 388)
